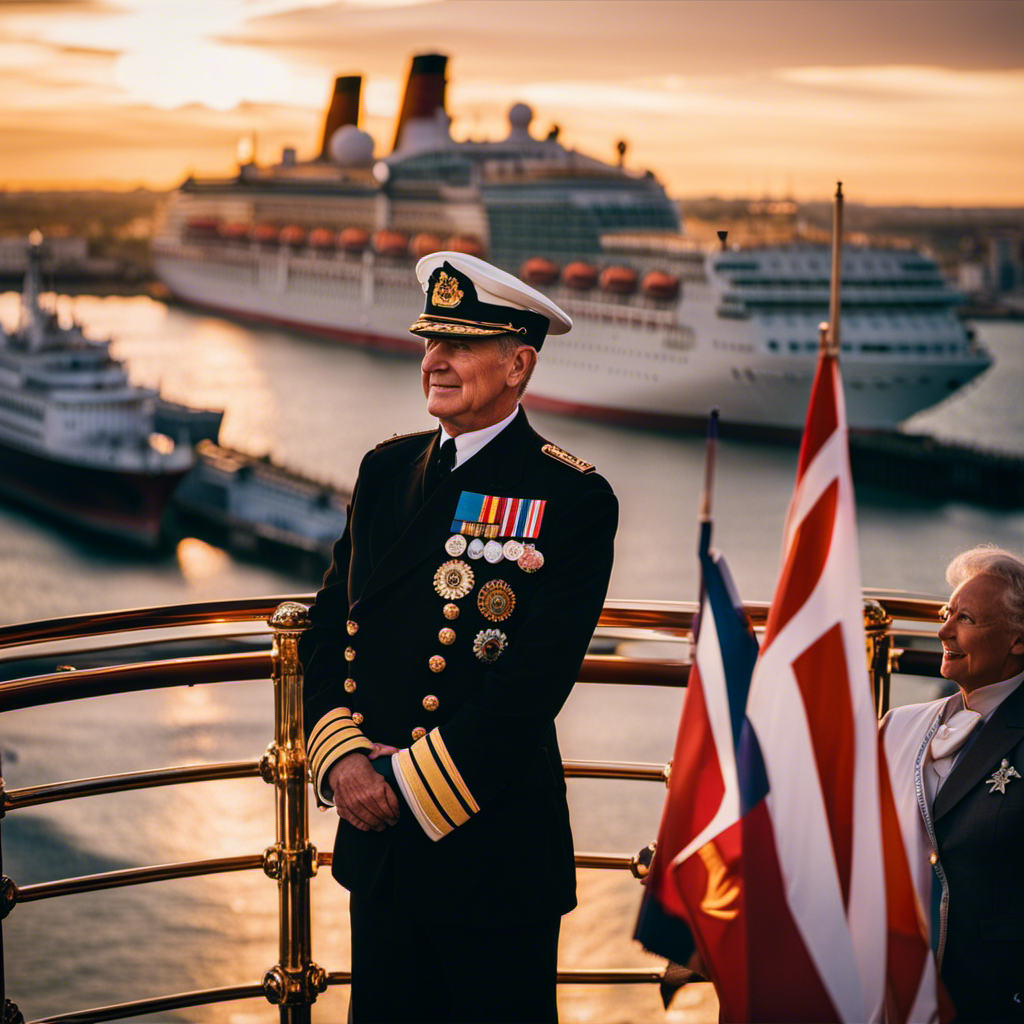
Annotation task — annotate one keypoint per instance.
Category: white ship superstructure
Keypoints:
(662, 332)
(76, 437)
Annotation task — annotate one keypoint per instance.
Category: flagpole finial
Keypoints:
(825, 343)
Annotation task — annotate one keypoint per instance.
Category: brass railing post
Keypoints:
(294, 981)
(876, 631)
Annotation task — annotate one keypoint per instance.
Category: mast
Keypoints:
(837, 262)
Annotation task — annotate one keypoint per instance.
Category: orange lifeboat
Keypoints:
(322, 238)
(234, 232)
(659, 285)
(390, 243)
(292, 235)
(353, 239)
(265, 234)
(538, 270)
(579, 276)
(423, 244)
(464, 243)
(618, 280)
(202, 227)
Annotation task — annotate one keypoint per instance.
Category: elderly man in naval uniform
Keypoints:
(957, 767)
(448, 633)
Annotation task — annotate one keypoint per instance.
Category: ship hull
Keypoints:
(662, 368)
(118, 504)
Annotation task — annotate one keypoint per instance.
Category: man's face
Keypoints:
(470, 384)
(979, 645)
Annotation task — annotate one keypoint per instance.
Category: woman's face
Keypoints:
(979, 645)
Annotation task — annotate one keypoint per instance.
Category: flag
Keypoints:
(798, 893)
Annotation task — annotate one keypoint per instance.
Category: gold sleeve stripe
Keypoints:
(335, 715)
(440, 752)
(440, 788)
(430, 816)
(334, 736)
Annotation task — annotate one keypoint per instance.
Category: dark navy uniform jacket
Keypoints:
(485, 833)
(980, 834)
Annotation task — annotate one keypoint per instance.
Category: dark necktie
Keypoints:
(446, 459)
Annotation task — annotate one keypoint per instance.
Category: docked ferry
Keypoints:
(663, 329)
(77, 438)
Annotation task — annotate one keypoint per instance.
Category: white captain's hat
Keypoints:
(468, 297)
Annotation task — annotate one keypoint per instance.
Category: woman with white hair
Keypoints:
(957, 768)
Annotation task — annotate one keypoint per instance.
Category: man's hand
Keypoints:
(361, 796)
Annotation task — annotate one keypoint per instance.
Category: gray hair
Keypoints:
(988, 560)
(507, 345)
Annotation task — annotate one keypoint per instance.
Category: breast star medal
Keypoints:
(1001, 776)
(453, 580)
(489, 644)
(496, 600)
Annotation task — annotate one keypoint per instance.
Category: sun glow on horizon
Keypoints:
(144, 92)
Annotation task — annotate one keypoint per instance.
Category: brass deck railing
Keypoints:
(294, 982)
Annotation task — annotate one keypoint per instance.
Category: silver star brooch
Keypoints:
(1001, 776)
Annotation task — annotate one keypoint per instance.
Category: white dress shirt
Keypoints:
(469, 443)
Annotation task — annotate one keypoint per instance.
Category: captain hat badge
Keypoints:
(470, 299)
(1002, 776)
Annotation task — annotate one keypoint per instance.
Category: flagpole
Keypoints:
(704, 514)
(831, 347)
(710, 458)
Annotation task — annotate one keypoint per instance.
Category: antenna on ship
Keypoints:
(829, 340)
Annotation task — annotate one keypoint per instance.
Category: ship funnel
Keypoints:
(344, 109)
(423, 103)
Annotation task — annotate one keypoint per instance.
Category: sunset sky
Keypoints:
(907, 102)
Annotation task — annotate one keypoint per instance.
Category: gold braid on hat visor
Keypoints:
(428, 323)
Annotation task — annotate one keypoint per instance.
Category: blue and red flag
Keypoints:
(779, 850)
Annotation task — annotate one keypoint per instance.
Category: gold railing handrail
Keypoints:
(295, 980)
(132, 876)
(126, 782)
(666, 616)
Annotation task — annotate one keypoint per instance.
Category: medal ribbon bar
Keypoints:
(492, 516)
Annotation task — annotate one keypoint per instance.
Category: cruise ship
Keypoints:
(663, 329)
(77, 439)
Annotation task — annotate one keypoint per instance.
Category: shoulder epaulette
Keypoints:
(570, 460)
(401, 437)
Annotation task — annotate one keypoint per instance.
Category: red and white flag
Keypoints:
(824, 866)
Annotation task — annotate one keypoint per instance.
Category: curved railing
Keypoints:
(895, 643)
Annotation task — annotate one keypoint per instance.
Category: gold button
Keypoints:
(431, 703)
(350, 653)
(446, 636)
(357, 718)
(352, 627)
(451, 611)
(350, 686)
(933, 858)
(436, 663)
(419, 732)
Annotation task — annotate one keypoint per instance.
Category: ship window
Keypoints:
(794, 346)
(773, 345)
